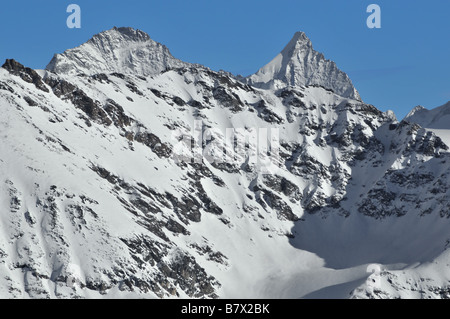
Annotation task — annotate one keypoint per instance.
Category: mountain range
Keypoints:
(127, 173)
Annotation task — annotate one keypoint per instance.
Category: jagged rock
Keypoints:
(117, 114)
(154, 143)
(26, 74)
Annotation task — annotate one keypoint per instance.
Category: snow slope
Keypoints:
(101, 185)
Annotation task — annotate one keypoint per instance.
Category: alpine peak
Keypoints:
(121, 50)
(300, 39)
(298, 64)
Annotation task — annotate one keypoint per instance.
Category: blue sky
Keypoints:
(401, 65)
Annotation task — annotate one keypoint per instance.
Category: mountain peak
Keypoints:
(132, 34)
(299, 41)
(300, 38)
(436, 118)
(415, 110)
(121, 50)
(298, 64)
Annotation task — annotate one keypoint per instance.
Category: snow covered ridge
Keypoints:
(130, 51)
(121, 50)
(438, 118)
(94, 202)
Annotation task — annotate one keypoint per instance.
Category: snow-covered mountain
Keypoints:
(119, 50)
(300, 65)
(121, 176)
(437, 118)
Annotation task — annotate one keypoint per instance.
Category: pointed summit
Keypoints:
(299, 39)
(417, 109)
(437, 118)
(121, 50)
(132, 34)
(299, 64)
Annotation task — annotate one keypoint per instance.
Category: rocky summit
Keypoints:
(125, 172)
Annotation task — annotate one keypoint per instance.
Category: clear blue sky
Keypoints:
(401, 65)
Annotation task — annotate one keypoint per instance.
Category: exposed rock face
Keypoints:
(26, 74)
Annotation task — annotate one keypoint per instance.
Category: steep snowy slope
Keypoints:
(299, 65)
(134, 184)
